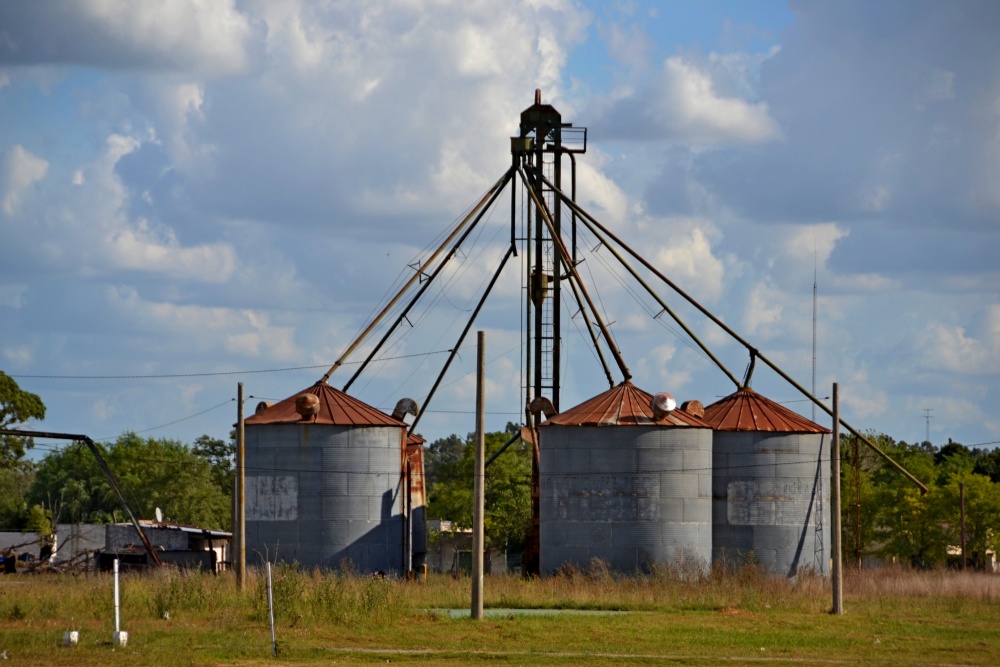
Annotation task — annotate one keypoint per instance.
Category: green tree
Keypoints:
(14, 486)
(152, 473)
(982, 514)
(858, 495)
(16, 407)
(221, 456)
(71, 480)
(442, 451)
(953, 459)
(40, 521)
(507, 491)
(909, 524)
(987, 463)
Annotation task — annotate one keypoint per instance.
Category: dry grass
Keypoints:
(665, 589)
(899, 582)
(893, 616)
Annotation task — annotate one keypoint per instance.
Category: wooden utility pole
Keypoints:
(961, 500)
(858, 544)
(838, 578)
(480, 478)
(241, 515)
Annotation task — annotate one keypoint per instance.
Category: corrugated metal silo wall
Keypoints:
(632, 496)
(771, 500)
(322, 495)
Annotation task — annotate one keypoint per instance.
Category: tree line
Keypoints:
(887, 517)
(191, 484)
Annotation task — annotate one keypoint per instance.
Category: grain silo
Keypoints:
(625, 485)
(324, 483)
(770, 486)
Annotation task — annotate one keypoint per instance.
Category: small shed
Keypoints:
(185, 546)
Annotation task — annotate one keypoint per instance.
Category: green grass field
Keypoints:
(893, 617)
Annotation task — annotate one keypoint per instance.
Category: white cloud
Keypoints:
(688, 258)
(597, 192)
(104, 409)
(805, 242)
(662, 372)
(177, 113)
(954, 349)
(264, 156)
(21, 170)
(264, 342)
(939, 85)
(480, 50)
(875, 198)
(244, 332)
(292, 28)
(19, 355)
(694, 102)
(865, 282)
(373, 109)
(692, 107)
(212, 36)
(90, 231)
(12, 296)
(763, 311)
(138, 248)
(861, 399)
(628, 45)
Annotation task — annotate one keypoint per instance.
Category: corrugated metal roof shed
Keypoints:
(335, 408)
(623, 405)
(746, 410)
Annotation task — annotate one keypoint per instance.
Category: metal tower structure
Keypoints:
(538, 152)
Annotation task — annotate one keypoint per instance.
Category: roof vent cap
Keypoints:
(542, 405)
(694, 408)
(405, 406)
(307, 405)
(662, 404)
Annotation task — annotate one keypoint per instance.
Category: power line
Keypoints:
(217, 373)
(178, 421)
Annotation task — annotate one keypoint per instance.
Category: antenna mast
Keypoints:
(814, 336)
(927, 419)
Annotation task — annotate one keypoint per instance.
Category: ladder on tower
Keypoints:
(547, 382)
(820, 557)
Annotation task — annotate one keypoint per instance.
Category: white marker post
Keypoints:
(120, 637)
(838, 570)
(270, 612)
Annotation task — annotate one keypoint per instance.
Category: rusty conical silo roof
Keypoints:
(623, 405)
(746, 410)
(335, 408)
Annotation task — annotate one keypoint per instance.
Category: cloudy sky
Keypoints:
(195, 191)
